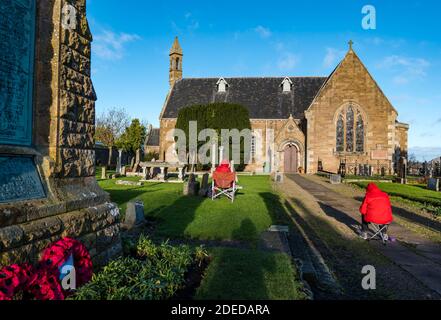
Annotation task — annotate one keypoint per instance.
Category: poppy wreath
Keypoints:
(59, 252)
(42, 282)
(13, 279)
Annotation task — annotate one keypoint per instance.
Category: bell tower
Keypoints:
(176, 56)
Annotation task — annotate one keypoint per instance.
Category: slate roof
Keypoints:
(263, 96)
(152, 139)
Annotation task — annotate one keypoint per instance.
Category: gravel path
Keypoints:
(407, 269)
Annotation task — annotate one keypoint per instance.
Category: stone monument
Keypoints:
(433, 184)
(47, 122)
(134, 214)
(119, 162)
(191, 187)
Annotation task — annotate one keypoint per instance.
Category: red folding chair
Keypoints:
(224, 183)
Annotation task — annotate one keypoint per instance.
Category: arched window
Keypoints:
(178, 67)
(350, 132)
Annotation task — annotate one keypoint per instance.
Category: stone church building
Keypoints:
(306, 124)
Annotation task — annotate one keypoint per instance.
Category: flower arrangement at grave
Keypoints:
(43, 282)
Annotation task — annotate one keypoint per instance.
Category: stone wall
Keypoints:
(351, 82)
(275, 134)
(63, 148)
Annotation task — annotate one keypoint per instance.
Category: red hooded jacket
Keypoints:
(224, 167)
(376, 206)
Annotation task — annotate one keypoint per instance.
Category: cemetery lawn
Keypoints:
(416, 193)
(237, 274)
(256, 208)
(241, 272)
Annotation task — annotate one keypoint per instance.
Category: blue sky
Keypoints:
(269, 38)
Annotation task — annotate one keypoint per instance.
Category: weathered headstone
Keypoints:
(119, 162)
(433, 184)
(135, 167)
(191, 187)
(104, 173)
(134, 214)
(123, 170)
(335, 179)
(204, 186)
(278, 177)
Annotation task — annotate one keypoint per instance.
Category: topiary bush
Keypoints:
(216, 116)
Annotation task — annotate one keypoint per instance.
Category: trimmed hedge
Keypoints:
(215, 116)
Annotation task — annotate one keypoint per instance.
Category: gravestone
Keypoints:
(119, 162)
(135, 167)
(278, 178)
(433, 184)
(335, 179)
(204, 186)
(104, 173)
(134, 214)
(191, 187)
(123, 171)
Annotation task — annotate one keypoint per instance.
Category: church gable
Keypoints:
(351, 81)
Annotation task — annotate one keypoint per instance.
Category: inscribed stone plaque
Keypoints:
(379, 155)
(19, 180)
(17, 32)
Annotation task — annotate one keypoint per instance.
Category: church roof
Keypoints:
(152, 139)
(263, 97)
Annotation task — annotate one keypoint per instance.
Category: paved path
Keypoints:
(415, 254)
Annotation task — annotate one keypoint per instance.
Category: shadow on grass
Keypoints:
(237, 274)
(275, 209)
(176, 217)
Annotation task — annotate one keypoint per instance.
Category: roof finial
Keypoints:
(350, 44)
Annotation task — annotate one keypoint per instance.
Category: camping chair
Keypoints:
(380, 231)
(224, 183)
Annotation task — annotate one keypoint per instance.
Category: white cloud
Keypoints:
(332, 57)
(263, 32)
(288, 61)
(407, 68)
(188, 24)
(110, 46)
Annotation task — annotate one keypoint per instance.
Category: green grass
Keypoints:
(373, 178)
(410, 192)
(237, 274)
(233, 273)
(254, 210)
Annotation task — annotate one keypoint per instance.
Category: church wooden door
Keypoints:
(291, 160)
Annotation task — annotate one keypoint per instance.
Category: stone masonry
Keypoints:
(63, 147)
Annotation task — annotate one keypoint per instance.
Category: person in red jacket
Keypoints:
(376, 208)
(224, 167)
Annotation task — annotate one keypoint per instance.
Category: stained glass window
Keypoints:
(340, 134)
(360, 134)
(350, 130)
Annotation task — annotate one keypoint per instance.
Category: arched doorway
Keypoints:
(291, 159)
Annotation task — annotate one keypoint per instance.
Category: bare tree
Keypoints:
(110, 126)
